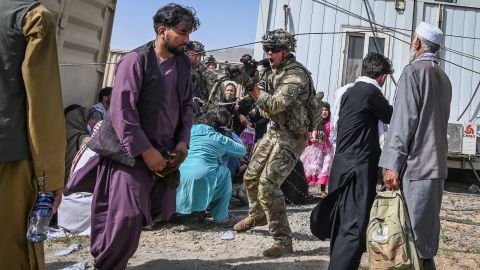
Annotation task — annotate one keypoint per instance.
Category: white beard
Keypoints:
(413, 55)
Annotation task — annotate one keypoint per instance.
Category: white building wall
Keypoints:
(323, 55)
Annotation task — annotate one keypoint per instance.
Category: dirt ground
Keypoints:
(199, 246)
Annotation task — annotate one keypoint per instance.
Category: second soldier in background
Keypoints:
(203, 78)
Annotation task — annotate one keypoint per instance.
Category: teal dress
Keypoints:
(204, 180)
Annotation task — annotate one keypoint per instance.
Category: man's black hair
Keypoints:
(171, 15)
(375, 64)
(104, 92)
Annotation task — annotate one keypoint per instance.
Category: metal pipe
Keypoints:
(286, 9)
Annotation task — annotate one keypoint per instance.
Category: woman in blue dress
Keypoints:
(204, 179)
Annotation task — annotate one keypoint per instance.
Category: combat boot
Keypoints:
(277, 250)
(248, 223)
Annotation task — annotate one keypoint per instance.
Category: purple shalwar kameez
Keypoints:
(126, 198)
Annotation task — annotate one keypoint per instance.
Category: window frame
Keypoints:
(366, 33)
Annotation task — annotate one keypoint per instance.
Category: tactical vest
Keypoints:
(14, 143)
(106, 142)
(295, 118)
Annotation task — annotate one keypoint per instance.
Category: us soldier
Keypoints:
(211, 62)
(203, 78)
(282, 99)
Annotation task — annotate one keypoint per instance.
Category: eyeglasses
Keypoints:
(273, 49)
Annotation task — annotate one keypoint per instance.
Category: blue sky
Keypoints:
(223, 22)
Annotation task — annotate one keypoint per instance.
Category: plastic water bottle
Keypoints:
(40, 217)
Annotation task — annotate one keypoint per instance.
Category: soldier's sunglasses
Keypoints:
(273, 49)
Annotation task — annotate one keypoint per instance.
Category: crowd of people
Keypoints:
(167, 142)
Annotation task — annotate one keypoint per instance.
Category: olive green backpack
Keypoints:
(390, 241)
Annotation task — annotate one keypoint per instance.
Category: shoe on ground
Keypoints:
(248, 223)
(277, 251)
(228, 223)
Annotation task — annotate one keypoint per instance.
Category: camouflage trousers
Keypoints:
(274, 157)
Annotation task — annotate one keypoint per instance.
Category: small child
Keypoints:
(318, 156)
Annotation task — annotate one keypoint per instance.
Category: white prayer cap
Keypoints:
(430, 33)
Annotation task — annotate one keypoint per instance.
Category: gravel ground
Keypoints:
(199, 246)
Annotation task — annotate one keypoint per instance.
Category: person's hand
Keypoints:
(154, 159)
(182, 147)
(181, 152)
(390, 179)
(244, 121)
(57, 200)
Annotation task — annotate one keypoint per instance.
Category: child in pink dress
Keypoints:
(318, 156)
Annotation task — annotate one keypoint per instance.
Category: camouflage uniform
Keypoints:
(283, 101)
(203, 78)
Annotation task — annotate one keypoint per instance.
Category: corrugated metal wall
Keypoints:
(323, 55)
(113, 57)
(83, 38)
(459, 21)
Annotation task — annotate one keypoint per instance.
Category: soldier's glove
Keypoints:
(239, 76)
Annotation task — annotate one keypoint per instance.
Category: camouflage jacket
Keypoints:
(284, 99)
(203, 80)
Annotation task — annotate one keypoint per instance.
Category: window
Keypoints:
(356, 46)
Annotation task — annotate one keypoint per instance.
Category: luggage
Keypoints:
(390, 241)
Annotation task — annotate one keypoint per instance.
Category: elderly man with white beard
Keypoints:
(414, 155)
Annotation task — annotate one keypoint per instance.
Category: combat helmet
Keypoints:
(196, 46)
(211, 59)
(280, 38)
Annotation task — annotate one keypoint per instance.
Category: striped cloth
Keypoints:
(82, 149)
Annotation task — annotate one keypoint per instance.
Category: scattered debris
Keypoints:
(78, 266)
(68, 250)
(228, 235)
(474, 189)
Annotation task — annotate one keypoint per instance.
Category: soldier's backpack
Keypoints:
(390, 241)
(314, 102)
(314, 108)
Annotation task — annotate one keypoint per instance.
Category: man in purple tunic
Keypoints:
(151, 113)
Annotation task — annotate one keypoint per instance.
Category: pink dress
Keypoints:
(317, 158)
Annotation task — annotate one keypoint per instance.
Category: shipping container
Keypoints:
(84, 29)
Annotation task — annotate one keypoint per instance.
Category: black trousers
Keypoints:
(348, 238)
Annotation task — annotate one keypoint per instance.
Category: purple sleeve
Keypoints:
(186, 108)
(123, 105)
